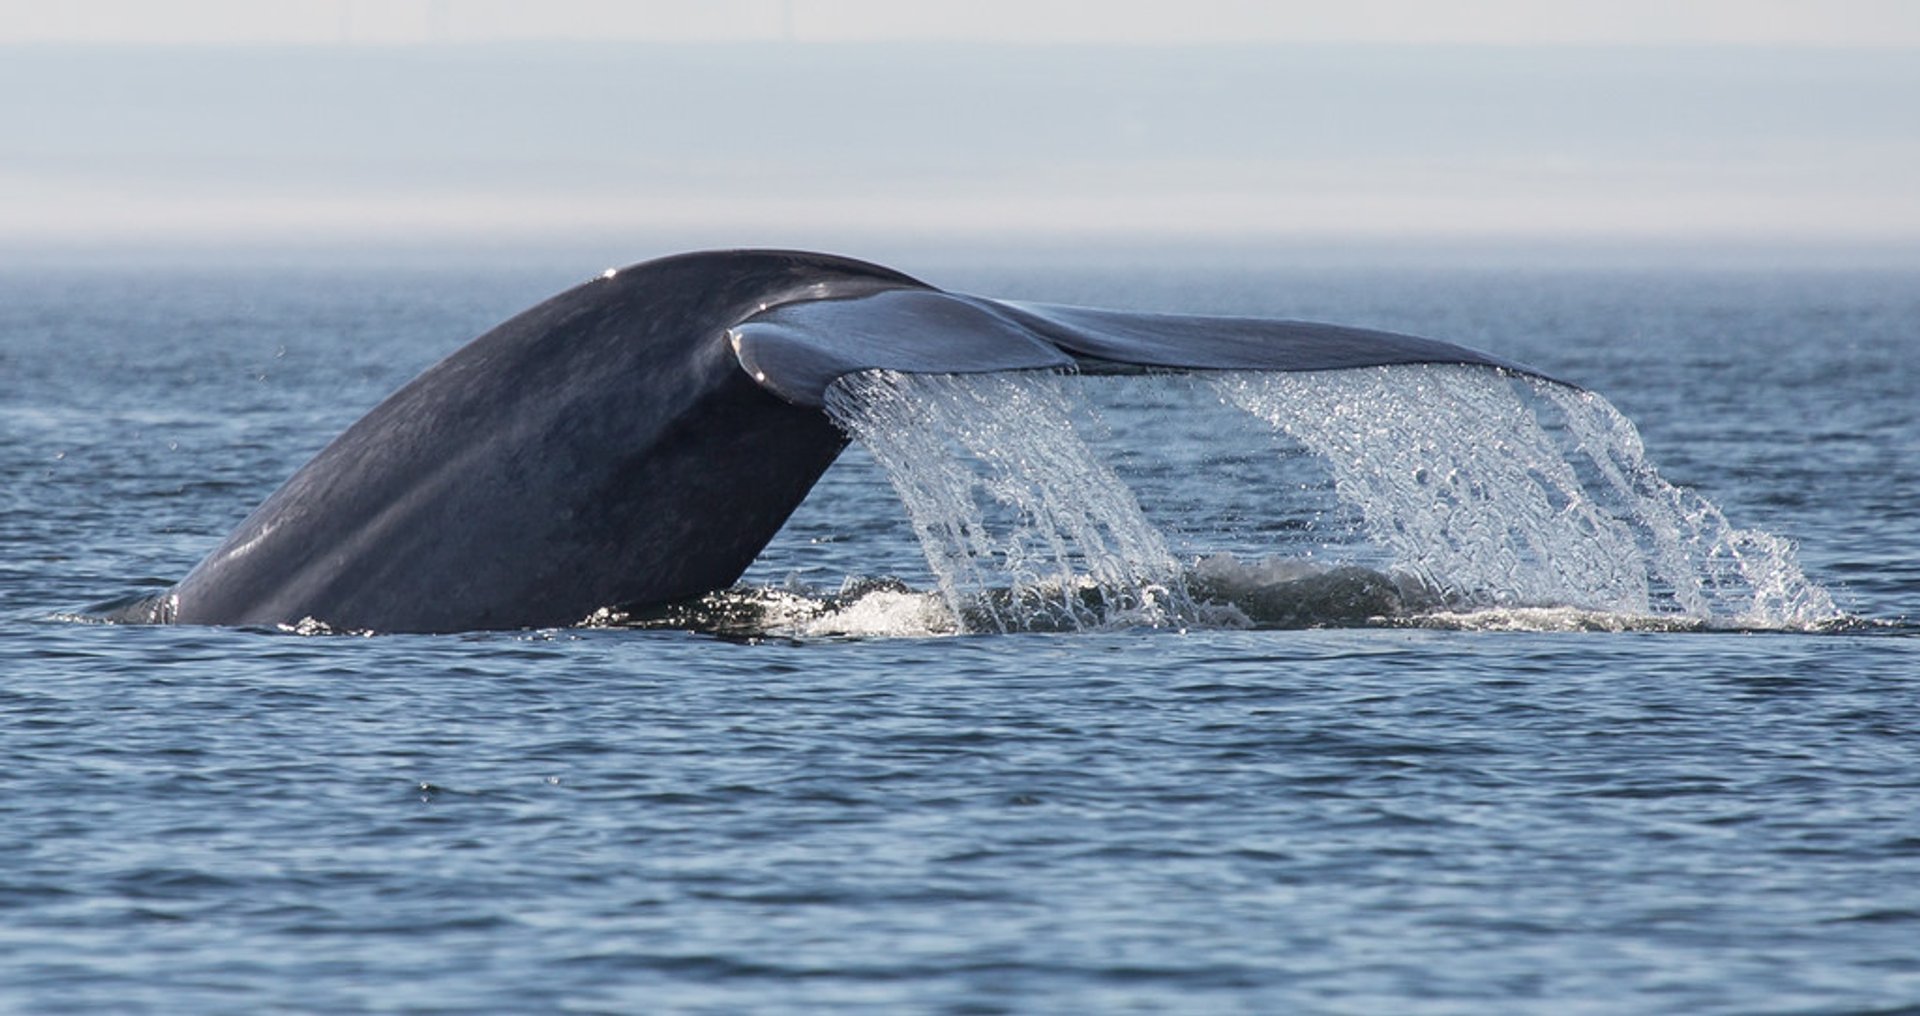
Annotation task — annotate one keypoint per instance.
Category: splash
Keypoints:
(1485, 500)
(860, 608)
(1499, 493)
(1023, 525)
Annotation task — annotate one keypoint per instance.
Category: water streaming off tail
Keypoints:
(1024, 525)
(1498, 491)
(1459, 489)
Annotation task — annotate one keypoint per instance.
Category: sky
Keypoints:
(1864, 23)
(1759, 123)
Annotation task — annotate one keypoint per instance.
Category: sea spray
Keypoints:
(1458, 481)
(1717, 570)
(1478, 491)
(1502, 492)
(1022, 523)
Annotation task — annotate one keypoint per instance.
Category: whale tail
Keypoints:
(640, 438)
(797, 349)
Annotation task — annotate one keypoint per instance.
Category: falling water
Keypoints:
(1505, 491)
(1023, 524)
(1478, 491)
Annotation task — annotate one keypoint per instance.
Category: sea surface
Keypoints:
(1487, 801)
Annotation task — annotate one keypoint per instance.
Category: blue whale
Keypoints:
(640, 438)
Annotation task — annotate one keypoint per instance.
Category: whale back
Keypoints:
(602, 448)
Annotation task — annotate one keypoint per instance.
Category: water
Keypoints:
(1452, 481)
(1529, 812)
(1079, 552)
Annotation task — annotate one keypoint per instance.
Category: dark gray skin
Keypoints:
(640, 438)
(601, 449)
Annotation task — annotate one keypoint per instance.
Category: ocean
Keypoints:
(1665, 761)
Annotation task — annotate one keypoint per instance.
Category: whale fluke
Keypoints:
(640, 438)
(797, 349)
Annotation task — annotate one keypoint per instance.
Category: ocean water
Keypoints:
(1475, 768)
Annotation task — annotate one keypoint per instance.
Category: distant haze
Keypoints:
(1826, 23)
(118, 139)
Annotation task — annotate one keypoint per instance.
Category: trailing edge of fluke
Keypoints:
(638, 439)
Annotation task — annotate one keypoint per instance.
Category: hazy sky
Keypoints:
(812, 121)
(1875, 23)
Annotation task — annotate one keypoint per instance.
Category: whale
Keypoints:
(638, 439)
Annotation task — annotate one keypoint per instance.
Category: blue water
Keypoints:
(1339, 819)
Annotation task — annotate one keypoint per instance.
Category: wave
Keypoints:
(1219, 592)
(1216, 593)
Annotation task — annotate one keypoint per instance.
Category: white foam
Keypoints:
(884, 613)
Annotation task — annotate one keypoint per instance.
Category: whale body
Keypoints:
(640, 438)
